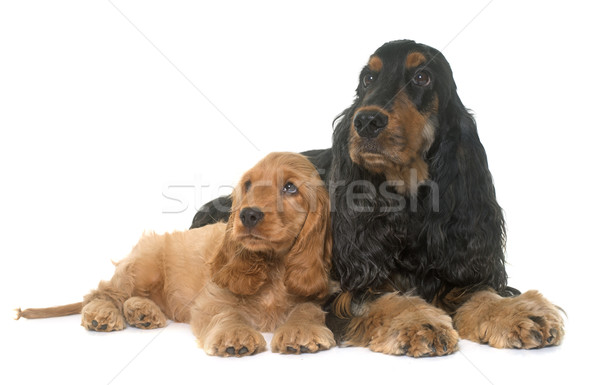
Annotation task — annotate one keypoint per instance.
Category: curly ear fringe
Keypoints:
(342, 305)
(469, 230)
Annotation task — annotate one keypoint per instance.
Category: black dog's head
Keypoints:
(407, 125)
(394, 119)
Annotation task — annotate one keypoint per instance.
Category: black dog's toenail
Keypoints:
(538, 320)
(304, 349)
(94, 323)
(243, 350)
(537, 336)
(142, 317)
(230, 350)
(104, 327)
(444, 343)
(291, 349)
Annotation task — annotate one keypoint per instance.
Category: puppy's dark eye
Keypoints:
(247, 185)
(368, 79)
(422, 78)
(289, 188)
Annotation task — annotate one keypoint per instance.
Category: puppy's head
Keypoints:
(280, 214)
(394, 117)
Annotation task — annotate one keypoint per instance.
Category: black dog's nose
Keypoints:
(369, 124)
(250, 216)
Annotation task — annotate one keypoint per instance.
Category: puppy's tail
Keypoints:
(47, 312)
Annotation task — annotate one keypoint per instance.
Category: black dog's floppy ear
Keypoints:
(467, 226)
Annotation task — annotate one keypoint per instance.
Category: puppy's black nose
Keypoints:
(250, 216)
(369, 124)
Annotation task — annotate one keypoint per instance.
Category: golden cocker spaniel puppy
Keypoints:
(266, 270)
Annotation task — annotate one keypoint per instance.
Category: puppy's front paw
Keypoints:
(102, 316)
(238, 341)
(143, 313)
(296, 339)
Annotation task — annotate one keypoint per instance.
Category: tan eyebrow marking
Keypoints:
(375, 64)
(415, 59)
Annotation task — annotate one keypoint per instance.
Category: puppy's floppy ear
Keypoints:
(309, 260)
(235, 268)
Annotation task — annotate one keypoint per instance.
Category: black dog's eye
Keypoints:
(247, 185)
(367, 80)
(422, 78)
(290, 188)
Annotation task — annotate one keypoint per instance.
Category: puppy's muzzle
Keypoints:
(251, 216)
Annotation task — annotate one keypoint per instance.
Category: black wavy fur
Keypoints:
(431, 246)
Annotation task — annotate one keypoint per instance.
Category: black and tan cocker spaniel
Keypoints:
(418, 236)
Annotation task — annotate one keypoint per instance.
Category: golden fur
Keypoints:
(231, 281)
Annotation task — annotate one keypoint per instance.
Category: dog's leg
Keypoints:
(526, 321)
(103, 309)
(303, 332)
(143, 313)
(403, 325)
(227, 334)
(222, 331)
(138, 273)
(102, 315)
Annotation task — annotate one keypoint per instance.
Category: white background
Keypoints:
(106, 107)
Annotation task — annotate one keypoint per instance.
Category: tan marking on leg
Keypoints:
(526, 321)
(395, 324)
